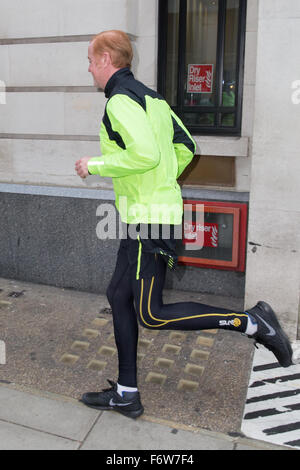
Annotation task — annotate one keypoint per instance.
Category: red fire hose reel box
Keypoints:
(214, 235)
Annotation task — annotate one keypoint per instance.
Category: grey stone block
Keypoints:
(52, 240)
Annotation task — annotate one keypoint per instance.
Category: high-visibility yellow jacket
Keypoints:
(145, 148)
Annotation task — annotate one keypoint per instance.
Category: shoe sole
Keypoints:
(268, 309)
(128, 414)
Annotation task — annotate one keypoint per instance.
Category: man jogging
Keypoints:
(145, 148)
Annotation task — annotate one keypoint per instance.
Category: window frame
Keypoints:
(179, 109)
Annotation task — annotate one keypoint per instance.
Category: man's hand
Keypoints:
(81, 167)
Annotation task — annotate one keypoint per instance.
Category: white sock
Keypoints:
(251, 326)
(123, 388)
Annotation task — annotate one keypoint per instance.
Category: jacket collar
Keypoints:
(118, 76)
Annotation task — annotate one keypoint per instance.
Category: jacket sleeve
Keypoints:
(184, 145)
(140, 153)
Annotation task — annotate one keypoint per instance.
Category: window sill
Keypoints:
(214, 193)
(222, 146)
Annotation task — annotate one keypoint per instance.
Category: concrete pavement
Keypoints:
(36, 420)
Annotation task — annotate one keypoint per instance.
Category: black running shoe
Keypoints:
(270, 334)
(129, 404)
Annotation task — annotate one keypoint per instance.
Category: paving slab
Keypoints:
(109, 431)
(113, 431)
(15, 437)
(58, 417)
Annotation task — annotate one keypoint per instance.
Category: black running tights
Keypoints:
(131, 299)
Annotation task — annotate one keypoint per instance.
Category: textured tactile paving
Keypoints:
(62, 341)
(162, 353)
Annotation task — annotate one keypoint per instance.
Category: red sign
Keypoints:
(200, 78)
(201, 235)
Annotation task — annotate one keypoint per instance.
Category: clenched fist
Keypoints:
(81, 167)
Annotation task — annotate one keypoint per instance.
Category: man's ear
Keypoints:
(106, 59)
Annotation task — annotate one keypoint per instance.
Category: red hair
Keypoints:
(117, 43)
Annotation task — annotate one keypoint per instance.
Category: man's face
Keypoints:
(97, 68)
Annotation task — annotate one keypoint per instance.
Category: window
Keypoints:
(200, 62)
